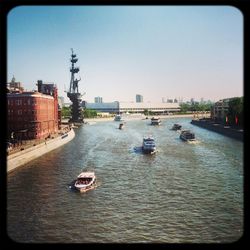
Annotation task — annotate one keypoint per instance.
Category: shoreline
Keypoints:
(235, 133)
(18, 159)
(143, 117)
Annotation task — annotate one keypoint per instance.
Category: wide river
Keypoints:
(185, 193)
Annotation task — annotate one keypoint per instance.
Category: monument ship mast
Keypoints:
(73, 93)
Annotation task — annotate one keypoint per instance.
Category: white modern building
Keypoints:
(140, 107)
(134, 107)
(111, 107)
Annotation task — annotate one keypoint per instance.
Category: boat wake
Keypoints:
(91, 123)
(97, 184)
(152, 153)
(138, 150)
(71, 185)
(193, 142)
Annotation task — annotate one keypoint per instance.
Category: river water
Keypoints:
(185, 193)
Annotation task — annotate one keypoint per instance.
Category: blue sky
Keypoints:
(156, 51)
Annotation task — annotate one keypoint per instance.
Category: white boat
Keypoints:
(176, 126)
(148, 145)
(155, 121)
(118, 118)
(85, 181)
(187, 135)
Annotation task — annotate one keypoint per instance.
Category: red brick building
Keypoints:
(33, 115)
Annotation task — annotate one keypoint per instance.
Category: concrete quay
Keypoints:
(20, 158)
(232, 132)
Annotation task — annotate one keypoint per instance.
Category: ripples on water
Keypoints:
(184, 193)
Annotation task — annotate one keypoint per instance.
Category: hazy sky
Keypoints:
(155, 51)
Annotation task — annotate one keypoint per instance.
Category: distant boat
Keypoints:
(121, 125)
(118, 118)
(85, 181)
(148, 145)
(155, 121)
(187, 135)
(176, 126)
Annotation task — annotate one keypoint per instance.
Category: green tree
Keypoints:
(66, 112)
(184, 107)
(235, 109)
(89, 113)
(145, 112)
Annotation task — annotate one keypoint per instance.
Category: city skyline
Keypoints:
(157, 51)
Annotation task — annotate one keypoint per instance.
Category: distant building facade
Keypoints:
(124, 107)
(169, 100)
(98, 99)
(33, 115)
(139, 98)
(220, 109)
(14, 86)
(156, 107)
(110, 107)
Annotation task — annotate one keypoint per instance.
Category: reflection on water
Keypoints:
(183, 193)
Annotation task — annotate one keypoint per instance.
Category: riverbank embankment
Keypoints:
(232, 132)
(20, 158)
(143, 117)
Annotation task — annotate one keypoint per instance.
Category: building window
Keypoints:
(19, 102)
(19, 112)
(28, 101)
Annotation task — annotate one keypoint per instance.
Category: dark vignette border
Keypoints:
(7, 5)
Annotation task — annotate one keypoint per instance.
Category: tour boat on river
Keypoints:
(121, 125)
(176, 126)
(187, 135)
(118, 118)
(85, 181)
(155, 121)
(148, 145)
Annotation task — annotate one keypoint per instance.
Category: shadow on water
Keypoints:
(72, 187)
(138, 150)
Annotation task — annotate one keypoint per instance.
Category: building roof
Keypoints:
(29, 94)
(148, 105)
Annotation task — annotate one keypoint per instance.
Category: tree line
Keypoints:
(87, 113)
(185, 107)
(234, 115)
(235, 111)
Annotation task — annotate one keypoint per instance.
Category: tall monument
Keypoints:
(73, 93)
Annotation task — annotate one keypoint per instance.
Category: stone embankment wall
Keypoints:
(219, 128)
(20, 158)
